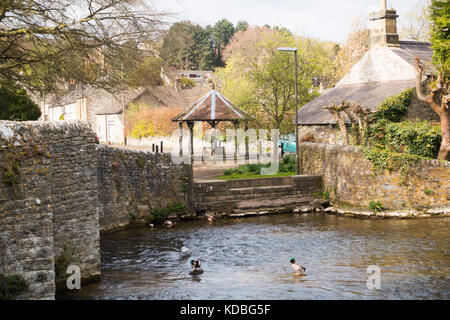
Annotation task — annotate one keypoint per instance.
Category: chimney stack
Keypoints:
(383, 27)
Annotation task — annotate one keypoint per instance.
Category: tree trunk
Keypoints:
(342, 126)
(355, 126)
(442, 109)
(444, 152)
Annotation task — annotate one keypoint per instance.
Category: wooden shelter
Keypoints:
(212, 108)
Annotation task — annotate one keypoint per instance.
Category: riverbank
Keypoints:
(316, 206)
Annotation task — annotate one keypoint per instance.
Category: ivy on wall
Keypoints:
(395, 108)
(396, 145)
(417, 138)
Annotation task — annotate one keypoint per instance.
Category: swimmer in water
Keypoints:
(298, 268)
(196, 265)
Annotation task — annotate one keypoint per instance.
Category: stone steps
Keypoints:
(281, 204)
(278, 202)
(226, 196)
(256, 193)
(265, 189)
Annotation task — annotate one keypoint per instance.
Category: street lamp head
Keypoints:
(284, 49)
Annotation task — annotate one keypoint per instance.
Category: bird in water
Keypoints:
(169, 223)
(298, 268)
(195, 264)
(211, 218)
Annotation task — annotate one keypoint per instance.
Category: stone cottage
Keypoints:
(104, 110)
(386, 70)
(101, 109)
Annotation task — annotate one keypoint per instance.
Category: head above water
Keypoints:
(195, 263)
(292, 260)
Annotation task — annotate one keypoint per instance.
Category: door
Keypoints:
(111, 131)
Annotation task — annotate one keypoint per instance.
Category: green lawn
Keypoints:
(253, 171)
(237, 176)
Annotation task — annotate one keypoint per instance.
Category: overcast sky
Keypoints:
(328, 20)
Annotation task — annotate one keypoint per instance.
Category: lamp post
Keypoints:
(297, 150)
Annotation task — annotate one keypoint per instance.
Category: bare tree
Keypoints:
(43, 42)
(339, 117)
(439, 100)
(416, 25)
(364, 117)
(359, 117)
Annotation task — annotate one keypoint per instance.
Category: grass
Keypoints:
(238, 176)
(253, 171)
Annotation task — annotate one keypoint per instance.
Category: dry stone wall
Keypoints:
(351, 179)
(48, 197)
(136, 186)
(58, 188)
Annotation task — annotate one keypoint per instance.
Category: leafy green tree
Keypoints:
(242, 25)
(263, 82)
(439, 95)
(187, 46)
(15, 104)
(220, 35)
(440, 35)
(146, 73)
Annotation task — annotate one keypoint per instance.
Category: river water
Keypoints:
(249, 259)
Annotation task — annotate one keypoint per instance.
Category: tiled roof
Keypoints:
(212, 106)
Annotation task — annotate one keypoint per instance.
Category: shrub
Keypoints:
(419, 138)
(160, 214)
(64, 260)
(11, 285)
(187, 83)
(376, 206)
(394, 108)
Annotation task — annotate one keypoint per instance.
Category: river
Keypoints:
(249, 259)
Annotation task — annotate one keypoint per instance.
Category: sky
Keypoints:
(327, 20)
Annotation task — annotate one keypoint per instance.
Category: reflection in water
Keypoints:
(249, 259)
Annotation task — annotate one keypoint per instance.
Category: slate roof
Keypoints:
(409, 50)
(212, 106)
(369, 94)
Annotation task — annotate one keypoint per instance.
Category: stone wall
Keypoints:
(48, 202)
(419, 110)
(327, 133)
(279, 194)
(136, 186)
(350, 178)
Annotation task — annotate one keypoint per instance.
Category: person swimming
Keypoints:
(298, 268)
(195, 264)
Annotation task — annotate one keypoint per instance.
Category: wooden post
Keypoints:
(191, 211)
(213, 139)
(247, 153)
(181, 138)
(236, 125)
(191, 143)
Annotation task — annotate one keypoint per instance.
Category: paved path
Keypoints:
(209, 171)
(206, 171)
